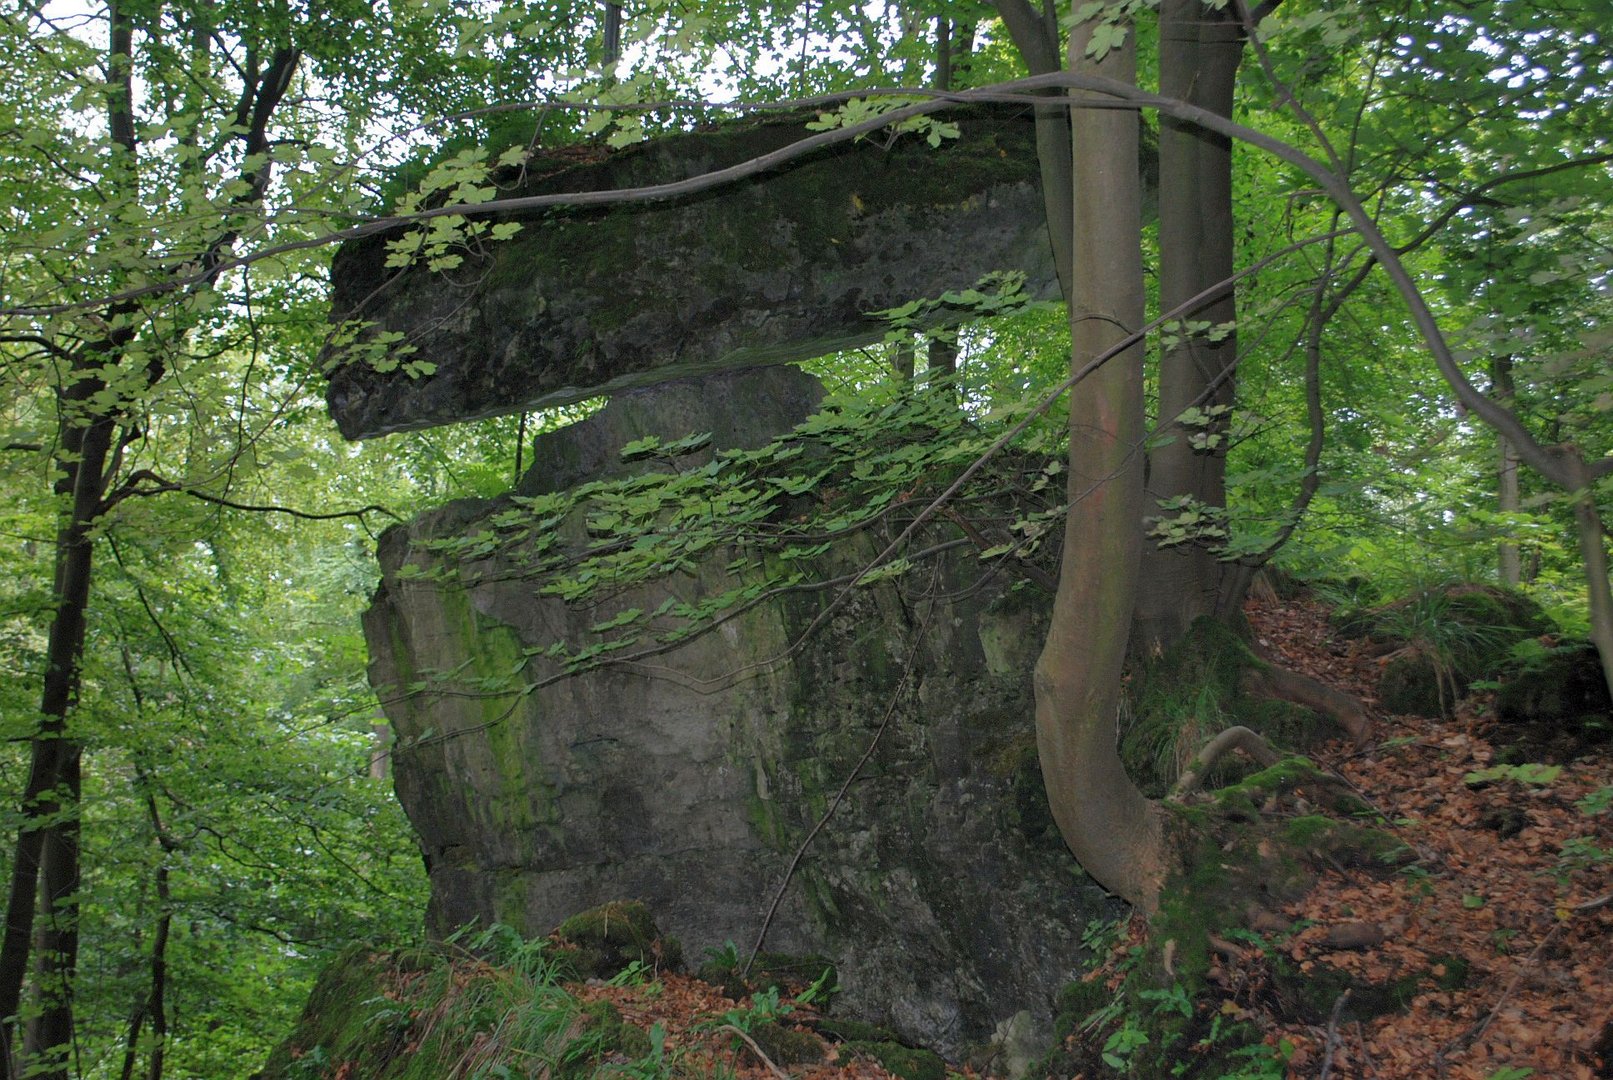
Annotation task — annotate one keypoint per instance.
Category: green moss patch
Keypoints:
(904, 1061)
(1194, 691)
(872, 1041)
(787, 1046)
(1168, 1008)
(604, 941)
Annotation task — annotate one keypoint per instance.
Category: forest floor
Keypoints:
(1509, 891)
(1511, 880)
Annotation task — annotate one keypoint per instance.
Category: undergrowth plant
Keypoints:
(1455, 631)
(490, 1006)
(509, 1009)
(1149, 1029)
(1586, 852)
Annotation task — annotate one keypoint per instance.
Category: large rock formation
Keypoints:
(689, 779)
(789, 265)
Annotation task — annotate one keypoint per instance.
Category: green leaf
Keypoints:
(621, 618)
(894, 568)
(648, 446)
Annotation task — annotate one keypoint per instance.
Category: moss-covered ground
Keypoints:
(602, 996)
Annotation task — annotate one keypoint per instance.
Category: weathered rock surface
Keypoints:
(785, 266)
(939, 887)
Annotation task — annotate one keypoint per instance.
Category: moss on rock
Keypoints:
(904, 1061)
(604, 941)
(787, 1046)
(334, 1025)
(1555, 706)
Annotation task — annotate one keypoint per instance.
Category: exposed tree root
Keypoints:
(1273, 681)
(1233, 738)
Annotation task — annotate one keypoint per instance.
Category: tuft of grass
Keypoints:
(1450, 636)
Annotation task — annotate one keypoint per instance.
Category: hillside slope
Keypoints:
(1483, 952)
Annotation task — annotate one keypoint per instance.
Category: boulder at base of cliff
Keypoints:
(1439, 641)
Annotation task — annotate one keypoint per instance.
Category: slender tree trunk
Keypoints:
(45, 866)
(49, 1035)
(45, 858)
(380, 751)
(1508, 563)
(612, 33)
(1199, 53)
(903, 362)
(954, 44)
(941, 365)
(158, 1002)
(154, 1004)
(1115, 832)
(1036, 37)
(1593, 549)
(45, 863)
(131, 1041)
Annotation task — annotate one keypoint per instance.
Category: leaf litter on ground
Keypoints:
(1496, 888)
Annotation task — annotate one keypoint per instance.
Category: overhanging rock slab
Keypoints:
(782, 267)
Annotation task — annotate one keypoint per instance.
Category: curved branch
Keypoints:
(162, 487)
(1311, 480)
(1235, 738)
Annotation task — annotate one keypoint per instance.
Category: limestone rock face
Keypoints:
(788, 265)
(688, 779)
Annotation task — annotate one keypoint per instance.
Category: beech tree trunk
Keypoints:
(941, 365)
(1593, 549)
(1113, 830)
(1199, 53)
(1036, 36)
(1508, 564)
